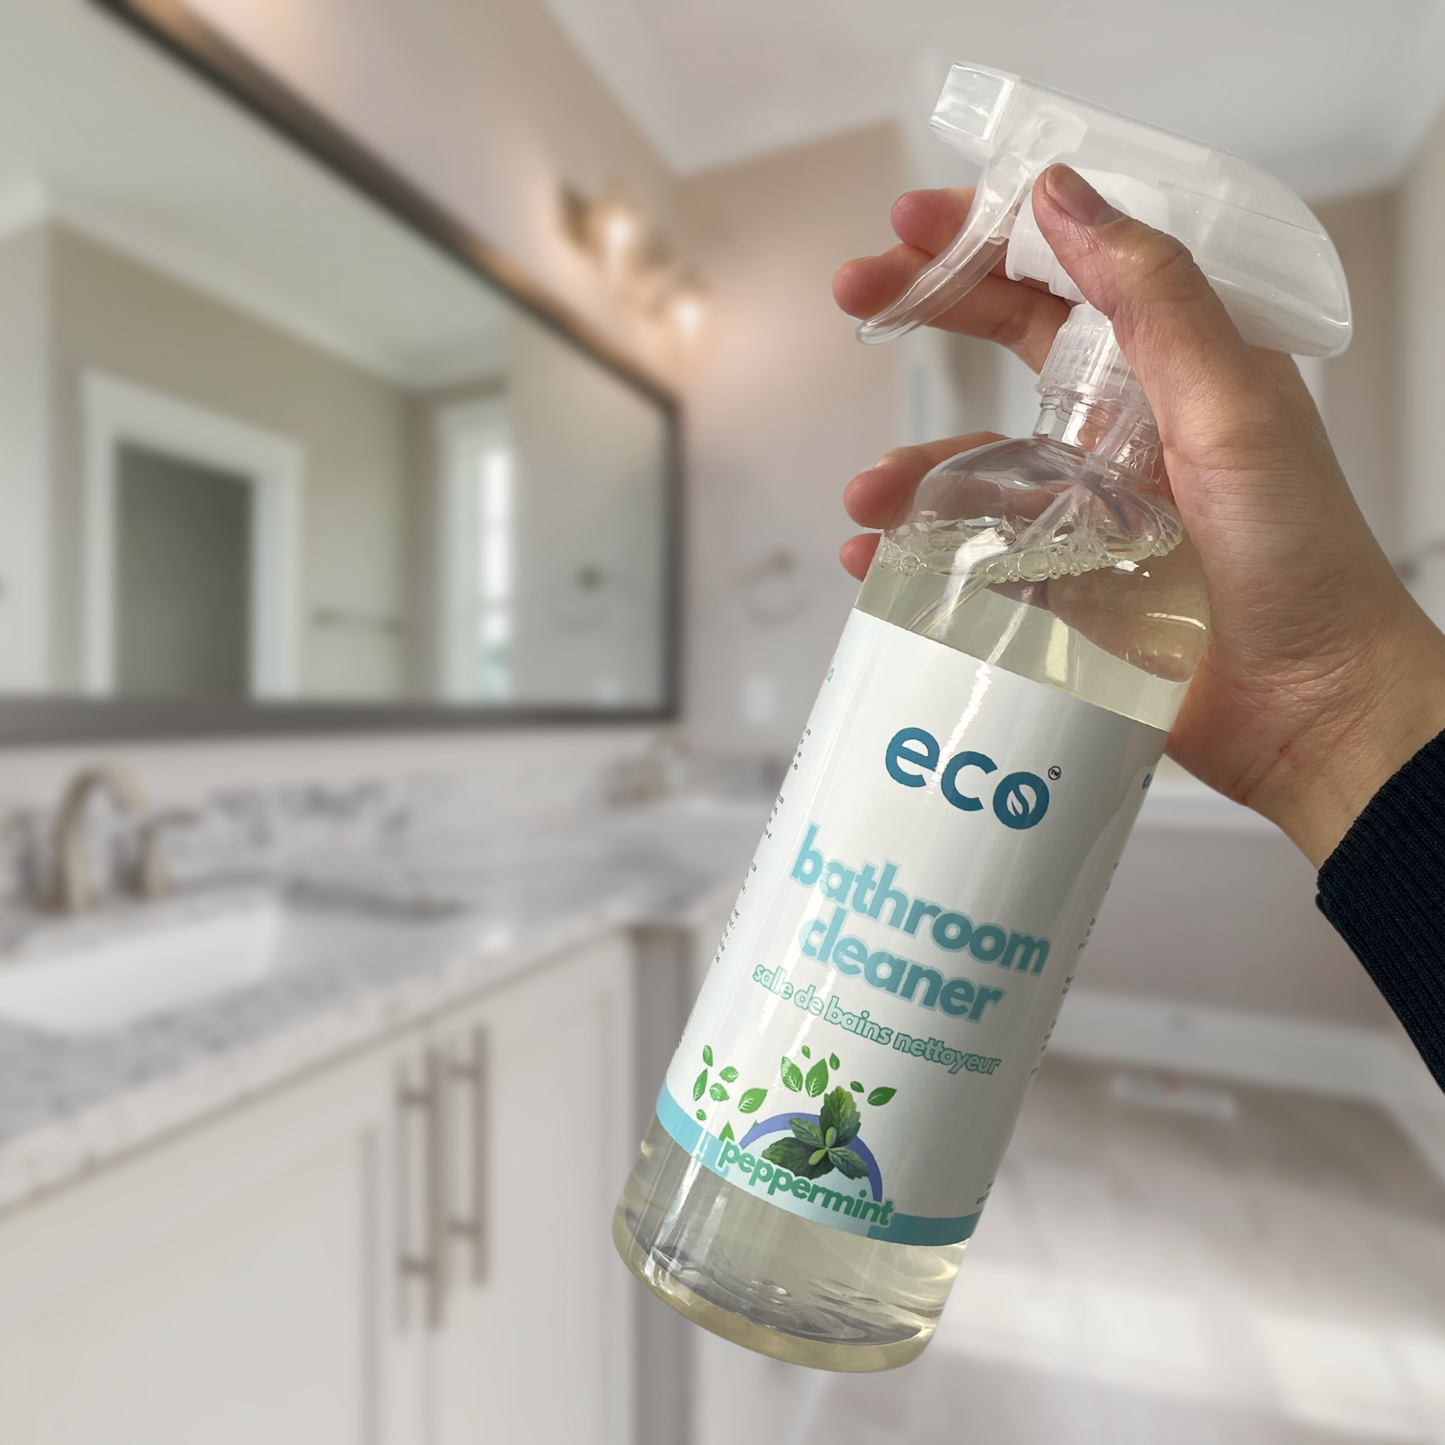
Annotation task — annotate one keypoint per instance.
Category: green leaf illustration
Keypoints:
(833, 1062)
(881, 1096)
(807, 1053)
(727, 1132)
(817, 1079)
(808, 1132)
(699, 1084)
(751, 1101)
(792, 1076)
(728, 1075)
(840, 1114)
(702, 1113)
(718, 1092)
(846, 1162)
(707, 1055)
(794, 1155)
(856, 1087)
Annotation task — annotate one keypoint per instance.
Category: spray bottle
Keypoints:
(831, 1124)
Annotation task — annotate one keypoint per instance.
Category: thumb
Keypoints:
(1205, 384)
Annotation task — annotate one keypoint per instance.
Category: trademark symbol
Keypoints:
(1055, 774)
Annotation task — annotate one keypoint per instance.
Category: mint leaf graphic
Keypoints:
(817, 1079)
(792, 1075)
(847, 1163)
(699, 1084)
(794, 1155)
(718, 1092)
(707, 1055)
(727, 1132)
(752, 1101)
(840, 1114)
(833, 1061)
(702, 1113)
(807, 1131)
(806, 1053)
(728, 1075)
(856, 1087)
(881, 1096)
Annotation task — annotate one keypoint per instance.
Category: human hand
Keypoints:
(1321, 676)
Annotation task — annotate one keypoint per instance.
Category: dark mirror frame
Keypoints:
(59, 719)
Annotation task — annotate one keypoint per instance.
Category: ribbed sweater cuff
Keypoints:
(1383, 889)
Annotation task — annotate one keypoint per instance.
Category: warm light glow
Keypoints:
(637, 261)
(687, 310)
(617, 233)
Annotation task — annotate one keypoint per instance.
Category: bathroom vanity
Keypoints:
(338, 1260)
(367, 1195)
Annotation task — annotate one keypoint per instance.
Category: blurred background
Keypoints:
(422, 430)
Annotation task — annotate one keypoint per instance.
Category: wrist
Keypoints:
(1371, 727)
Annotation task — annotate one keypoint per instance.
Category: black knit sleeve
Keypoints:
(1383, 889)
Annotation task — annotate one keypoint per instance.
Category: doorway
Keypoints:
(182, 578)
(191, 528)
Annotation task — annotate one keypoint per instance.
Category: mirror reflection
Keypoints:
(261, 441)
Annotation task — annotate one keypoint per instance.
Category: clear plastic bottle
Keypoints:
(1104, 601)
(967, 781)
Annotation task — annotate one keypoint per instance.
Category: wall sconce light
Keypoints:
(637, 260)
(687, 308)
(614, 232)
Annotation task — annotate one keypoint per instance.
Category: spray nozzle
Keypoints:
(1260, 246)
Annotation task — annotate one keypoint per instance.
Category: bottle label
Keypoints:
(904, 939)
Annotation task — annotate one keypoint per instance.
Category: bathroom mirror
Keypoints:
(282, 446)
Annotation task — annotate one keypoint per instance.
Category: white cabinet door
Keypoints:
(315, 1269)
(225, 1288)
(536, 1345)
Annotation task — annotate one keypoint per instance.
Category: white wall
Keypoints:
(1361, 390)
(24, 460)
(785, 406)
(584, 509)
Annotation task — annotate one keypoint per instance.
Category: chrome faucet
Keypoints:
(70, 889)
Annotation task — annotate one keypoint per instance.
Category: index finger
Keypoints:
(1015, 314)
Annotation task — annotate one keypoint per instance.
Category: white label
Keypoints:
(909, 926)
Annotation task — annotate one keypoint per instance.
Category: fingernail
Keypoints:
(1077, 198)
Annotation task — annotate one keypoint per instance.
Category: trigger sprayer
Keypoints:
(831, 1124)
(1261, 247)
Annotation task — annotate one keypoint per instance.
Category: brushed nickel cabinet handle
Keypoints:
(429, 1266)
(472, 1227)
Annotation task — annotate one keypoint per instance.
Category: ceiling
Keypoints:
(102, 132)
(1333, 96)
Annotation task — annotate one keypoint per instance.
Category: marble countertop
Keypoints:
(373, 941)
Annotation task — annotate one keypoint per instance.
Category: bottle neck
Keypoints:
(1111, 429)
(1093, 401)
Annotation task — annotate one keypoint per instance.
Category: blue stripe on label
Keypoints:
(688, 1134)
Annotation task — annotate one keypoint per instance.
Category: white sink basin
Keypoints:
(94, 975)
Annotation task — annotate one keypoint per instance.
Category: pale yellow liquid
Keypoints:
(770, 1280)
